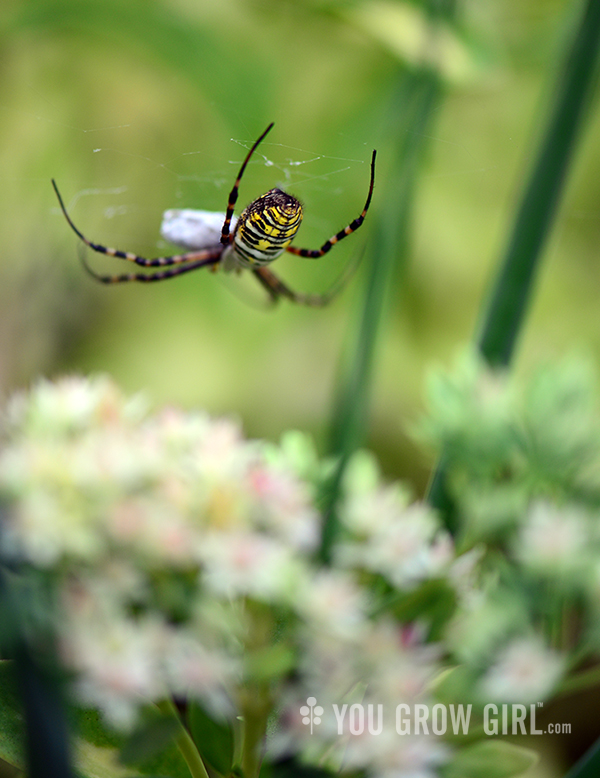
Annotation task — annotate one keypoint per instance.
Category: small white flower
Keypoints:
(368, 512)
(403, 543)
(71, 405)
(194, 670)
(400, 665)
(221, 452)
(331, 602)
(524, 671)
(283, 505)
(118, 661)
(152, 530)
(554, 540)
(247, 563)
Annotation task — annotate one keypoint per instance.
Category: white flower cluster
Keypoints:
(183, 558)
(386, 534)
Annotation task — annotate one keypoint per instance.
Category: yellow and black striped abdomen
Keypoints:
(266, 228)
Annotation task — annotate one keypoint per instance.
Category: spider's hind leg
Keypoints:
(276, 289)
(162, 275)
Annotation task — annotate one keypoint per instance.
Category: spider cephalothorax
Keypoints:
(263, 232)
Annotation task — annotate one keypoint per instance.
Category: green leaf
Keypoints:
(492, 759)
(455, 686)
(93, 761)
(292, 768)
(149, 739)
(11, 718)
(433, 601)
(270, 662)
(214, 739)
(405, 31)
(589, 764)
(89, 726)
(97, 762)
(97, 752)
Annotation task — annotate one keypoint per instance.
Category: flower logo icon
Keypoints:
(311, 713)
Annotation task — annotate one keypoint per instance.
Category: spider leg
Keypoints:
(161, 275)
(276, 289)
(233, 195)
(270, 283)
(175, 259)
(352, 227)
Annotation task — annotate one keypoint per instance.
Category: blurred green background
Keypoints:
(136, 107)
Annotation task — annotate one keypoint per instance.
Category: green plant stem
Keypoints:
(255, 707)
(511, 294)
(512, 291)
(415, 100)
(185, 743)
(407, 131)
(255, 701)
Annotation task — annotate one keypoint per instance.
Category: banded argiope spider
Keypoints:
(264, 230)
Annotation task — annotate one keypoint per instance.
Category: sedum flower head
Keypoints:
(179, 549)
(525, 670)
(386, 534)
(556, 541)
(183, 560)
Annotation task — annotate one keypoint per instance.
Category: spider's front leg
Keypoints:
(183, 262)
(233, 196)
(352, 227)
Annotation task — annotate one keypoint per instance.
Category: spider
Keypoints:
(264, 230)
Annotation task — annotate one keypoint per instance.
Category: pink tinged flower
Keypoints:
(118, 662)
(246, 563)
(284, 505)
(221, 450)
(177, 431)
(401, 665)
(554, 538)
(403, 679)
(367, 513)
(405, 548)
(194, 670)
(73, 404)
(524, 671)
(412, 635)
(331, 601)
(127, 520)
(45, 530)
(416, 756)
(152, 528)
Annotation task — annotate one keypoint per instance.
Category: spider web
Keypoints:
(325, 184)
(306, 174)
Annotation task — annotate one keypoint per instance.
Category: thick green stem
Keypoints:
(255, 706)
(185, 742)
(415, 101)
(504, 314)
(255, 702)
